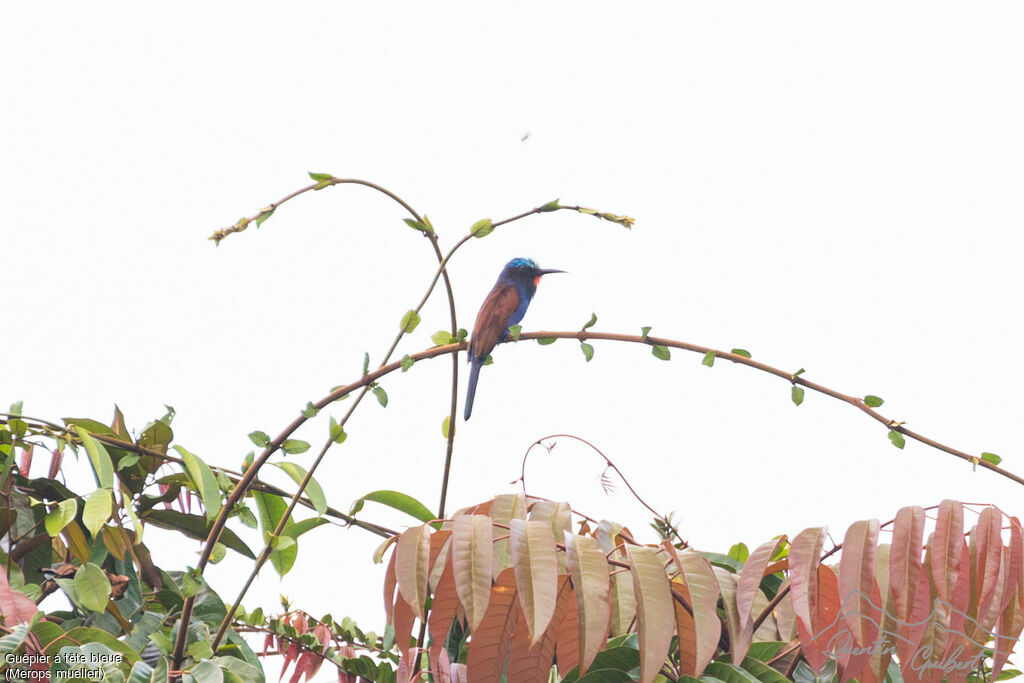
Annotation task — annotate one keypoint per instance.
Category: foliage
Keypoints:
(515, 588)
(516, 591)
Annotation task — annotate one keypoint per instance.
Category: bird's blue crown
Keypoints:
(522, 264)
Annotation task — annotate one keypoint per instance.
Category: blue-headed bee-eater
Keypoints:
(504, 307)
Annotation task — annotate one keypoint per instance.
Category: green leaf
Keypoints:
(992, 458)
(264, 215)
(591, 322)
(16, 408)
(92, 587)
(203, 481)
(407, 362)
(544, 341)
(416, 225)
(872, 401)
(798, 373)
(310, 410)
(259, 438)
(294, 446)
(247, 460)
(246, 517)
(272, 509)
(337, 432)
(98, 507)
(588, 351)
(463, 334)
(445, 426)
(428, 225)
(382, 396)
(282, 542)
(644, 331)
(313, 490)
(897, 439)
(61, 516)
(126, 461)
(196, 526)
(661, 352)
(741, 352)
(204, 672)
(797, 394)
(550, 206)
(218, 553)
(482, 228)
(441, 337)
(409, 321)
(515, 331)
(302, 526)
(739, 552)
(399, 501)
(709, 359)
(366, 363)
(320, 177)
(102, 468)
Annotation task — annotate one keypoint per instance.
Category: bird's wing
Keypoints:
(493, 320)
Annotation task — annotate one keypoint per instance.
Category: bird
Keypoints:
(504, 307)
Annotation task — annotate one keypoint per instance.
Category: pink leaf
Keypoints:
(15, 606)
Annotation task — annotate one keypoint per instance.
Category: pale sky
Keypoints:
(833, 187)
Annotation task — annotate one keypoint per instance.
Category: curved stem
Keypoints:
(221, 520)
(440, 272)
(607, 460)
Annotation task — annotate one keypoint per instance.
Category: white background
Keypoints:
(834, 188)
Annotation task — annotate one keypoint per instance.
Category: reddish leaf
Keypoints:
(412, 559)
(440, 547)
(290, 655)
(589, 570)
(905, 559)
(459, 673)
(25, 461)
(533, 664)
(55, 463)
(390, 583)
(472, 561)
(404, 618)
(702, 591)
(536, 571)
(1011, 619)
(443, 610)
(989, 557)
(804, 556)
(654, 611)
(304, 666)
(15, 606)
(323, 636)
(747, 588)
(344, 676)
(567, 642)
(502, 510)
(946, 543)
(823, 600)
(491, 641)
(685, 630)
(859, 594)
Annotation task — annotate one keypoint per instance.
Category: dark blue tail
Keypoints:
(474, 373)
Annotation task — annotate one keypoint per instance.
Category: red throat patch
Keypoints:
(536, 281)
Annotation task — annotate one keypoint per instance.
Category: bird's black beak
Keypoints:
(546, 271)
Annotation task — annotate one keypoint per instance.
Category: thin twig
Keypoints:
(608, 462)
